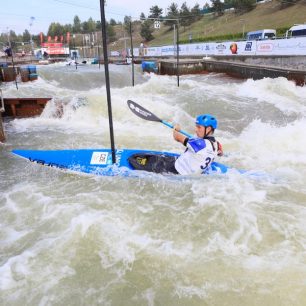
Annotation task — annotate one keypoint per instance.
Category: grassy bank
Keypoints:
(230, 26)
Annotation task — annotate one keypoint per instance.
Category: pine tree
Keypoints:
(146, 30)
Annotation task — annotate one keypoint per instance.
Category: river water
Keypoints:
(70, 239)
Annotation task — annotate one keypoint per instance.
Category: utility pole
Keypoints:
(31, 39)
(132, 52)
(107, 82)
(177, 54)
(12, 55)
(177, 20)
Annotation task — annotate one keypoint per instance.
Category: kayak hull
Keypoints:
(96, 161)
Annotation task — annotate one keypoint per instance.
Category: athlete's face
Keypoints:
(200, 130)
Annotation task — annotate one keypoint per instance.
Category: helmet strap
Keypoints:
(204, 132)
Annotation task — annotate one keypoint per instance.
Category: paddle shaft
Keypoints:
(171, 126)
(143, 113)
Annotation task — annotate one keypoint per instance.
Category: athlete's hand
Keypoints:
(177, 127)
(177, 135)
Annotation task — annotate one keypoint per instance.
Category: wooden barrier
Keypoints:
(9, 73)
(27, 73)
(24, 107)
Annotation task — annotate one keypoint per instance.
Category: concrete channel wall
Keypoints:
(290, 67)
(297, 62)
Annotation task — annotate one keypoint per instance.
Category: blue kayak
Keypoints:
(99, 161)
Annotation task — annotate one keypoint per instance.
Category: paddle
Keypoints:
(147, 115)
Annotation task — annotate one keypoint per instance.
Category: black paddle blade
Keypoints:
(142, 112)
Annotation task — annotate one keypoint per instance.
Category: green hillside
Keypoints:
(267, 15)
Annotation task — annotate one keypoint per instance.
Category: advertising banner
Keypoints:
(52, 45)
(292, 46)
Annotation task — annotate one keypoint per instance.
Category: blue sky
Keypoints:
(16, 14)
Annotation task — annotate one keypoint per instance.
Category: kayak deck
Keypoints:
(99, 161)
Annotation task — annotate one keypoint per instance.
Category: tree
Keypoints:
(243, 5)
(286, 3)
(13, 36)
(88, 26)
(91, 25)
(142, 16)
(112, 22)
(206, 8)
(76, 24)
(218, 7)
(185, 15)
(146, 30)
(228, 3)
(173, 13)
(36, 39)
(195, 13)
(85, 27)
(98, 25)
(126, 21)
(55, 29)
(26, 36)
(155, 12)
(67, 28)
(111, 34)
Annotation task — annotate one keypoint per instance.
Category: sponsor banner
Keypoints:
(264, 47)
(115, 53)
(152, 51)
(198, 49)
(136, 51)
(129, 53)
(247, 47)
(292, 46)
(52, 45)
(170, 50)
(221, 48)
(235, 48)
(58, 51)
(206, 49)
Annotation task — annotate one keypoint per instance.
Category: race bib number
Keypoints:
(99, 158)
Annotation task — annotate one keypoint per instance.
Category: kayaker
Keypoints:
(202, 150)
(197, 158)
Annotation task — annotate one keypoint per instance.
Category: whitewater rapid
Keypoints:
(69, 239)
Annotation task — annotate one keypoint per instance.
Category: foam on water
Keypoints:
(217, 240)
(279, 92)
(273, 148)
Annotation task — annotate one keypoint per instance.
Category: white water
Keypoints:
(69, 239)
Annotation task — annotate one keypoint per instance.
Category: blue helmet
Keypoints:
(207, 120)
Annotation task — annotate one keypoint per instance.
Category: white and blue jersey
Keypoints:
(200, 153)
